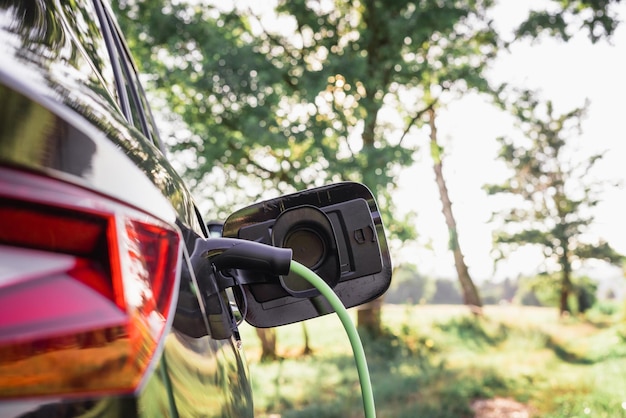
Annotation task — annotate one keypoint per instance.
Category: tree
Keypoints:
(409, 286)
(553, 192)
(319, 92)
(446, 292)
(470, 293)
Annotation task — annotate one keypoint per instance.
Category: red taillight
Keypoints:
(86, 288)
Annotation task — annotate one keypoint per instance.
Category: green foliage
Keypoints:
(527, 294)
(585, 290)
(495, 292)
(544, 288)
(446, 292)
(437, 361)
(599, 251)
(409, 286)
(608, 308)
(564, 18)
(474, 331)
(406, 343)
(296, 100)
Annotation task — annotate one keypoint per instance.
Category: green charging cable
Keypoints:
(353, 335)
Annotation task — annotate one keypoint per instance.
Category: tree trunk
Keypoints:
(268, 343)
(565, 291)
(470, 293)
(369, 319)
(566, 283)
(307, 346)
(369, 314)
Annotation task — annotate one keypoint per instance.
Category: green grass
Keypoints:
(437, 359)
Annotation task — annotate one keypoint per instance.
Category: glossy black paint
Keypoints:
(71, 108)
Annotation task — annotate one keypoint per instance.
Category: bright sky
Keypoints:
(566, 73)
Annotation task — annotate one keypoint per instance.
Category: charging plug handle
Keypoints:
(225, 253)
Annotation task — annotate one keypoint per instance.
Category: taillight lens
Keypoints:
(86, 288)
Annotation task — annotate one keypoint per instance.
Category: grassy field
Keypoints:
(438, 360)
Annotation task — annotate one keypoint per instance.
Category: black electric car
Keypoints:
(114, 301)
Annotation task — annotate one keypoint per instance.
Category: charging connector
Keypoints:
(224, 253)
(217, 254)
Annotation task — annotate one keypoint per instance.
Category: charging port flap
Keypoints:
(334, 230)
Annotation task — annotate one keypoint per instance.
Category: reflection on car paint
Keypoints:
(60, 116)
(199, 376)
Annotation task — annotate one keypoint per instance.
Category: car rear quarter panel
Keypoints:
(59, 117)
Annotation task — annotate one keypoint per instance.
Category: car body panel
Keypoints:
(60, 117)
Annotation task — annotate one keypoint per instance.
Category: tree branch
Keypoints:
(415, 118)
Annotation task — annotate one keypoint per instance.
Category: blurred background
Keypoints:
(492, 134)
